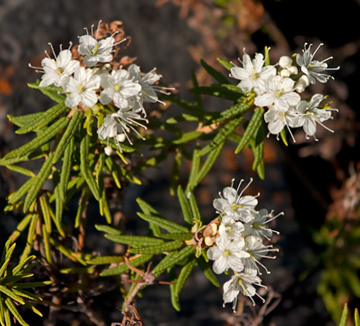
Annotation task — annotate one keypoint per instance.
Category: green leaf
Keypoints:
(208, 272)
(44, 119)
(184, 274)
(170, 260)
(222, 135)
(107, 229)
(47, 245)
(194, 208)
(183, 236)
(235, 110)
(68, 135)
(227, 65)
(283, 137)
(217, 91)
(66, 169)
(83, 201)
(23, 120)
(42, 138)
(252, 129)
(11, 294)
(195, 166)
(163, 223)
(185, 207)
(344, 316)
(218, 76)
(175, 173)
(186, 137)
(134, 240)
(17, 195)
(30, 239)
(85, 166)
(15, 312)
(50, 91)
(105, 260)
(19, 229)
(157, 249)
(174, 298)
(41, 177)
(210, 161)
(356, 317)
(122, 268)
(21, 170)
(30, 285)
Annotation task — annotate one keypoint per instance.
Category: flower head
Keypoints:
(82, 88)
(117, 125)
(279, 93)
(234, 204)
(241, 283)
(313, 68)
(227, 254)
(253, 74)
(118, 88)
(56, 70)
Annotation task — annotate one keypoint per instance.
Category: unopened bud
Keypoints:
(285, 73)
(285, 62)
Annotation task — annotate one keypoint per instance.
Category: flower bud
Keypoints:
(285, 73)
(285, 62)
(293, 70)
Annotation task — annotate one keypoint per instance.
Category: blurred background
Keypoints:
(316, 184)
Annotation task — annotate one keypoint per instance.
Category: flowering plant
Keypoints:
(105, 130)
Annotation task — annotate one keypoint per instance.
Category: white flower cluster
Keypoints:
(97, 80)
(278, 90)
(239, 242)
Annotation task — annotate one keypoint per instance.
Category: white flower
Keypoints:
(95, 51)
(257, 250)
(230, 228)
(146, 81)
(253, 74)
(233, 204)
(310, 114)
(227, 254)
(118, 88)
(243, 283)
(257, 226)
(82, 88)
(277, 120)
(313, 68)
(56, 70)
(279, 93)
(117, 125)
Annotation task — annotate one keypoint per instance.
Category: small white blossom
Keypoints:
(117, 125)
(227, 254)
(95, 51)
(56, 70)
(230, 228)
(277, 120)
(258, 227)
(257, 250)
(233, 204)
(81, 88)
(279, 92)
(241, 283)
(253, 74)
(118, 88)
(313, 68)
(310, 114)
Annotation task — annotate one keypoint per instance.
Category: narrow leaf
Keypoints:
(85, 166)
(107, 229)
(183, 236)
(218, 76)
(15, 312)
(21, 170)
(134, 240)
(66, 168)
(163, 223)
(185, 207)
(17, 195)
(344, 316)
(195, 166)
(158, 249)
(11, 294)
(186, 137)
(184, 274)
(43, 138)
(44, 119)
(208, 272)
(30, 239)
(122, 268)
(175, 173)
(38, 182)
(105, 260)
(227, 65)
(170, 260)
(252, 128)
